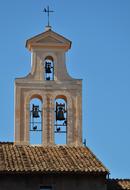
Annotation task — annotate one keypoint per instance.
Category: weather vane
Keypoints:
(48, 11)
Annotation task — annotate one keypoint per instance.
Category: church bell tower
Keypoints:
(48, 100)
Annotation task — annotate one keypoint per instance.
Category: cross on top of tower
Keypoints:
(48, 11)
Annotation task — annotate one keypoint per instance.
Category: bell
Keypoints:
(48, 67)
(35, 111)
(60, 114)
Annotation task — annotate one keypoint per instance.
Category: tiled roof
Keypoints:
(15, 158)
(118, 184)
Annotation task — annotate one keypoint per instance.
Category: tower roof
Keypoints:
(57, 159)
(48, 39)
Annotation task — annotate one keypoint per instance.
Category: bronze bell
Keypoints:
(35, 111)
(48, 67)
(60, 114)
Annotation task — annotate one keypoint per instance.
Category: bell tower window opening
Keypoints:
(60, 124)
(35, 121)
(49, 68)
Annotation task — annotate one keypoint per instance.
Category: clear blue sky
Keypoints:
(100, 55)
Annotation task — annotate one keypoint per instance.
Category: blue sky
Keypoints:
(100, 55)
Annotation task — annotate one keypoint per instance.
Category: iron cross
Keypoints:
(48, 11)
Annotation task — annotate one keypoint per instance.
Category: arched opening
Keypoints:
(49, 68)
(36, 120)
(60, 120)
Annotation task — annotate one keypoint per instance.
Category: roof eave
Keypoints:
(54, 172)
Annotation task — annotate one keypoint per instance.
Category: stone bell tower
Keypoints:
(49, 82)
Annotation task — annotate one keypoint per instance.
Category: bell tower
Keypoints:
(48, 100)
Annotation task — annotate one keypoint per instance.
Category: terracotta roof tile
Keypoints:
(118, 184)
(14, 158)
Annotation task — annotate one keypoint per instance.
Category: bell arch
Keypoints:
(60, 123)
(68, 135)
(48, 68)
(35, 123)
(36, 96)
(34, 117)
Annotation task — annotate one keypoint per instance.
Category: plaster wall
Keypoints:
(58, 182)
